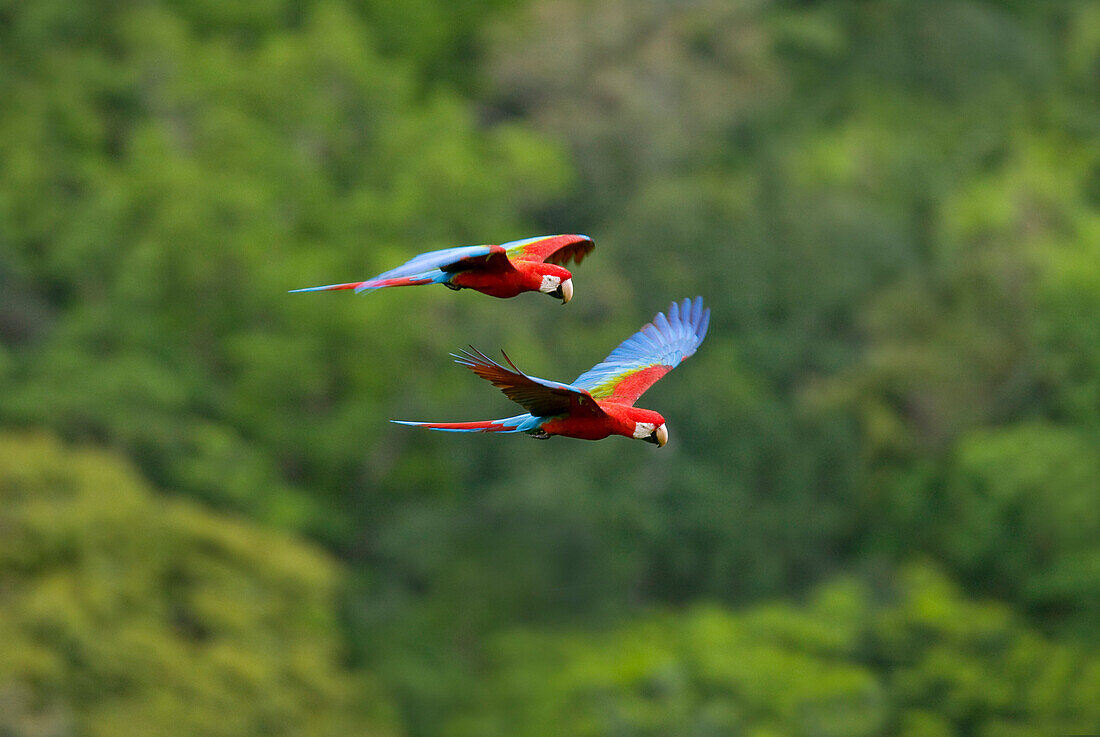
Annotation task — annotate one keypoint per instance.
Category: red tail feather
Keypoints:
(483, 426)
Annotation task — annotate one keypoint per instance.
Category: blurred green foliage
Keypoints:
(907, 656)
(158, 203)
(124, 613)
(893, 209)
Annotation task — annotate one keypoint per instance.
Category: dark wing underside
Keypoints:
(540, 397)
(495, 260)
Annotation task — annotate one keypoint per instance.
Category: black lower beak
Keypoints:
(652, 439)
(557, 294)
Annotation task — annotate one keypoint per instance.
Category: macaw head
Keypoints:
(650, 427)
(556, 281)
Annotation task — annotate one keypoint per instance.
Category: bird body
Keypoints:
(503, 271)
(614, 418)
(505, 280)
(600, 403)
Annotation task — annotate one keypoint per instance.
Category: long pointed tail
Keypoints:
(519, 423)
(372, 284)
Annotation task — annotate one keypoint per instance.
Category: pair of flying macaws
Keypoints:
(600, 402)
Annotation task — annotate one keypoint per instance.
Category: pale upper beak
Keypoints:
(566, 291)
(662, 436)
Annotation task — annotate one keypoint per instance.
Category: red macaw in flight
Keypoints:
(530, 265)
(601, 400)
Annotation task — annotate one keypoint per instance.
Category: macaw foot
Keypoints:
(539, 434)
(451, 286)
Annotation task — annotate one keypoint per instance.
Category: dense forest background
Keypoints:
(879, 512)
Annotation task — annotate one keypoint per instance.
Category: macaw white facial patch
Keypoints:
(549, 283)
(643, 430)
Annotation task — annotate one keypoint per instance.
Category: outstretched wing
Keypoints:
(553, 249)
(434, 266)
(649, 354)
(448, 261)
(540, 397)
(493, 257)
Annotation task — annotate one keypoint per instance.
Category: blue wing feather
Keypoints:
(664, 342)
(428, 266)
(435, 260)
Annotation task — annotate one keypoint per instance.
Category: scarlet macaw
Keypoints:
(601, 400)
(530, 265)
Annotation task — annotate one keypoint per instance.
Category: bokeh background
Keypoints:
(879, 513)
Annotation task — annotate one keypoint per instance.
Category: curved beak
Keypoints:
(659, 436)
(566, 290)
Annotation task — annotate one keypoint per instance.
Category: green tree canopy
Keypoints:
(126, 613)
(908, 656)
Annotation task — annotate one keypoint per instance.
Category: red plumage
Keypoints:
(600, 402)
(504, 271)
(504, 279)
